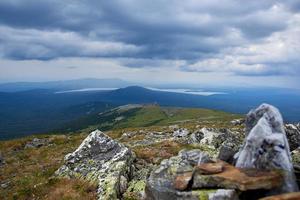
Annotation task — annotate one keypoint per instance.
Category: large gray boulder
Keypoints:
(101, 160)
(266, 146)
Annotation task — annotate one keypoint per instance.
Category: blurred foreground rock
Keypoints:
(287, 196)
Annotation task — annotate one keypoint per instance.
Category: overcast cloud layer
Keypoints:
(207, 39)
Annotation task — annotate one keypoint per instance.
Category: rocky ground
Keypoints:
(179, 161)
(166, 164)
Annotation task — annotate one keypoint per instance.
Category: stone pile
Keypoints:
(263, 165)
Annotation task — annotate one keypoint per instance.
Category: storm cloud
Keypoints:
(243, 38)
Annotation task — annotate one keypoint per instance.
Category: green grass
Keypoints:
(29, 171)
(146, 116)
(153, 115)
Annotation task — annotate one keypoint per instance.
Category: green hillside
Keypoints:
(145, 116)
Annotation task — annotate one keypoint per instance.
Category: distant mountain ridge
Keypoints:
(43, 110)
(64, 85)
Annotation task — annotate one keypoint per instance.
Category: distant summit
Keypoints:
(64, 85)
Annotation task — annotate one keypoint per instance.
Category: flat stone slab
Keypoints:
(287, 196)
(210, 168)
(237, 178)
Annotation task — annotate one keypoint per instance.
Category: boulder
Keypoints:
(266, 146)
(160, 184)
(101, 160)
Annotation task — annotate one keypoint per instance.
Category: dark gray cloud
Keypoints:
(150, 33)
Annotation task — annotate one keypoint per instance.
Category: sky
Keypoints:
(207, 42)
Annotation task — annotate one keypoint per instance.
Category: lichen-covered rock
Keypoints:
(208, 136)
(101, 160)
(160, 184)
(135, 190)
(172, 180)
(136, 187)
(266, 146)
(293, 135)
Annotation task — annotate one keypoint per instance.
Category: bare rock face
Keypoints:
(101, 160)
(266, 146)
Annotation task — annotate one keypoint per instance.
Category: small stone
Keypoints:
(5, 185)
(237, 122)
(123, 184)
(36, 143)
